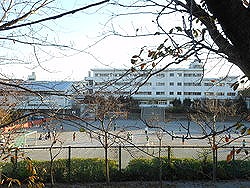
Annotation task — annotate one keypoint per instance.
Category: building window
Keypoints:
(231, 94)
(162, 102)
(192, 75)
(171, 83)
(179, 84)
(220, 94)
(187, 75)
(160, 84)
(171, 93)
(160, 75)
(148, 84)
(102, 74)
(209, 93)
(171, 74)
(144, 93)
(192, 84)
(197, 93)
(179, 93)
(160, 93)
(188, 84)
(192, 93)
(179, 74)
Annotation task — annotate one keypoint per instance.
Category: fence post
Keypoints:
(233, 153)
(233, 161)
(69, 164)
(15, 163)
(169, 163)
(169, 157)
(120, 158)
(214, 163)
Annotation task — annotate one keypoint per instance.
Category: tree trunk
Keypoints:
(51, 168)
(234, 19)
(214, 148)
(106, 159)
(160, 170)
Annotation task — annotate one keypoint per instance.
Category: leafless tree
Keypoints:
(206, 114)
(54, 153)
(188, 29)
(105, 110)
(27, 27)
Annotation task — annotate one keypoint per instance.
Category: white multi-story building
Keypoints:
(162, 87)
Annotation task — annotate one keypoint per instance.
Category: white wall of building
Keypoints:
(163, 87)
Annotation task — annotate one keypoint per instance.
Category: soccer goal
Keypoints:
(30, 138)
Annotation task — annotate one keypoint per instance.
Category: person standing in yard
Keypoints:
(172, 135)
(147, 140)
(131, 137)
(74, 136)
(146, 130)
(48, 135)
(243, 143)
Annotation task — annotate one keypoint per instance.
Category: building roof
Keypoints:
(48, 86)
(37, 86)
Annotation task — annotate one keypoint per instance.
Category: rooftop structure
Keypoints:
(32, 76)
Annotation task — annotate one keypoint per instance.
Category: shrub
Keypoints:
(189, 169)
(139, 169)
(82, 170)
(235, 169)
(93, 170)
(87, 170)
(178, 169)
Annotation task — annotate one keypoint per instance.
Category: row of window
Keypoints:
(165, 84)
(184, 84)
(108, 74)
(187, 93)
(159, 102)
(162, 75)
(159, 75)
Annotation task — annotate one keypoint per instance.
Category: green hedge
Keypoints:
(93, 170)
(185, 169)
(177, 169)
(82, 170)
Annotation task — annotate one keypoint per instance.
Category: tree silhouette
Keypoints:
(25, 25)
(207, 30)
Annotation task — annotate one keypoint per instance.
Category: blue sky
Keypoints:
(82, 30)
